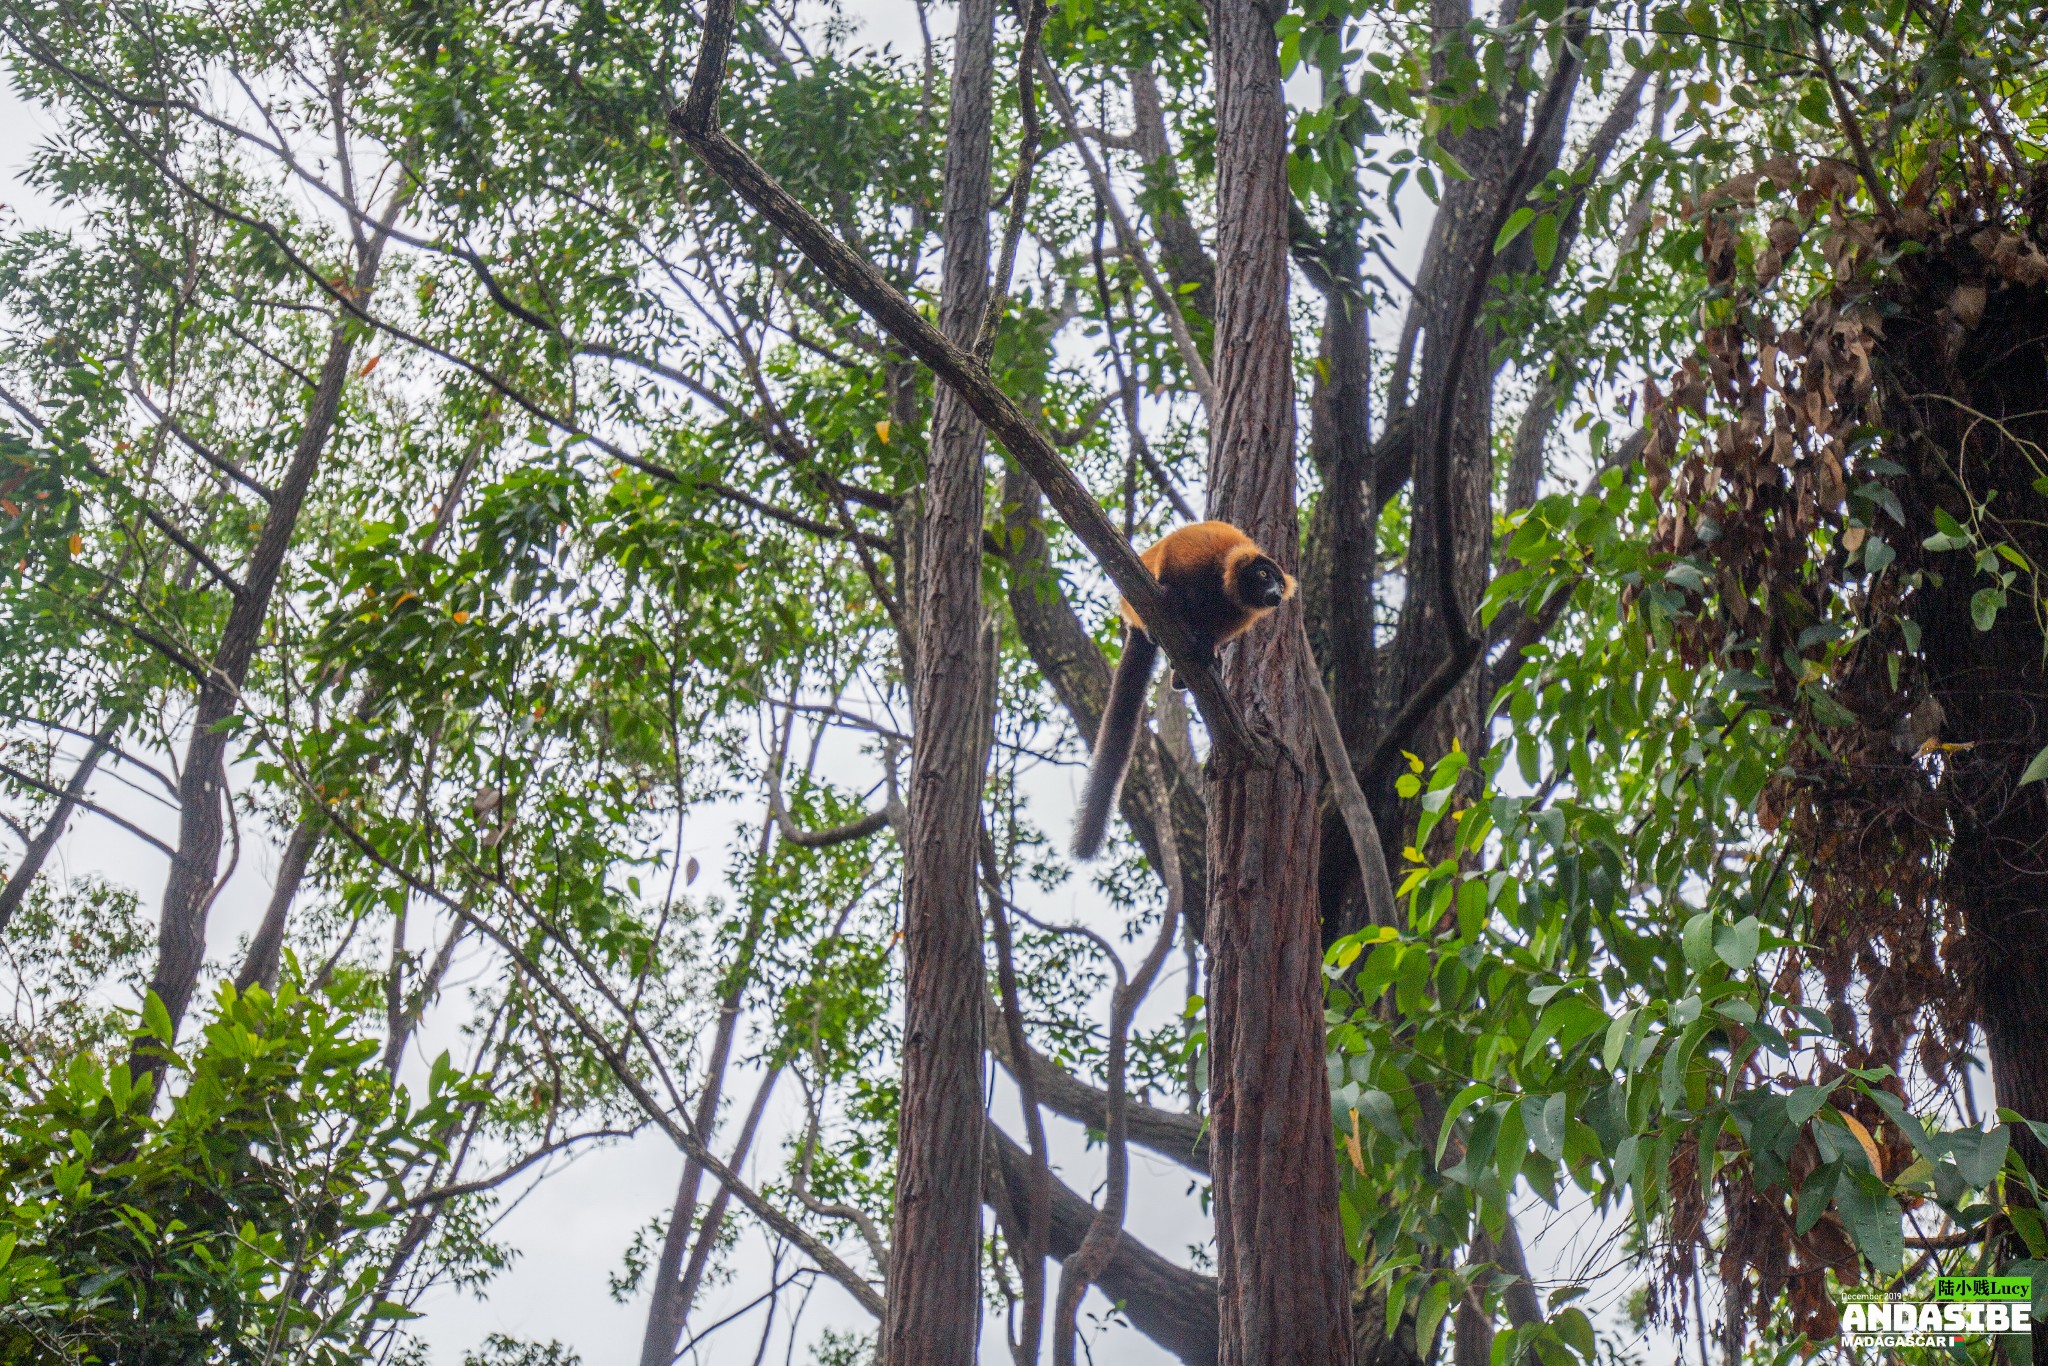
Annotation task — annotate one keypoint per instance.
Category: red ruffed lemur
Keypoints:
(1222, 583)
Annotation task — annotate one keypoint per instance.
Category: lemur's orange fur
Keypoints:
(1223, 584)
(1198, 565)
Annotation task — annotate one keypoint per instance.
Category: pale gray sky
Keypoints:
(573, 1226)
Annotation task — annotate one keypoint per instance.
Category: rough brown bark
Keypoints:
(1283, 1270)
(1340, 560)
(1467, 207)
(1448, 559)
(1181, 245)
(933, 1316)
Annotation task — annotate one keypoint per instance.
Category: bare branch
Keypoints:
(442, 1194)
(1365, 832)
(696, 122)
(64, 794)
(39, 846)
(1134, 247)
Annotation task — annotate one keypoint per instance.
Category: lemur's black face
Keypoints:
(1261, 584)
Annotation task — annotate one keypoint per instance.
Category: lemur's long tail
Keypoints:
(1114, 742)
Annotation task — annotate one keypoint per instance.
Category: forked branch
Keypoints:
(696, 122)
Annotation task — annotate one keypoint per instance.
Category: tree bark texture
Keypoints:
(1283, 1270)
(933, 1314)
(188, 891)
(1467, 207)
(1340, 560)
(259, 966)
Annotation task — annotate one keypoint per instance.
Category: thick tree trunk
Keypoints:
(1340, 565)
(934, 1303)
(1279, 1251)
(1460, 251)
(1467, 208)
(188, 892)
(1181, 245)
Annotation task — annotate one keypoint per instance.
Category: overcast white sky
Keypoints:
(573, 1227)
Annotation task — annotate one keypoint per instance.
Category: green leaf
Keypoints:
(1686, 575)
(1814, 1196)
(1873, 1221)
(1511, 1144)
(1827, 710)
(1805, 1102)
(156, 1021)
(1736, 945)
(1435, 1301)
(1698, 941)
(1544, 239)
(1510, 230)
(1457, 1109)
(1985, 605)
(1617, 1035)
(2037, 771)
(1979, 1154)
(1576, 1330)
(1377, 1108)
(1546, 1127)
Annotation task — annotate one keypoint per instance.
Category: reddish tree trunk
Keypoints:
(1283, 1271)
(934, 1304)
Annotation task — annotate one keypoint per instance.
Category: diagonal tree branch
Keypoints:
(1169, 1304)
(1181, 1137)
(696, 122)
(69, 800)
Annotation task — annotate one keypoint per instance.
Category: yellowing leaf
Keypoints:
(462, 618)
(1863, 1137)
(882, 431)
(1414, 763)
(1353, 1146)
(77, 543)
(368, 366)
